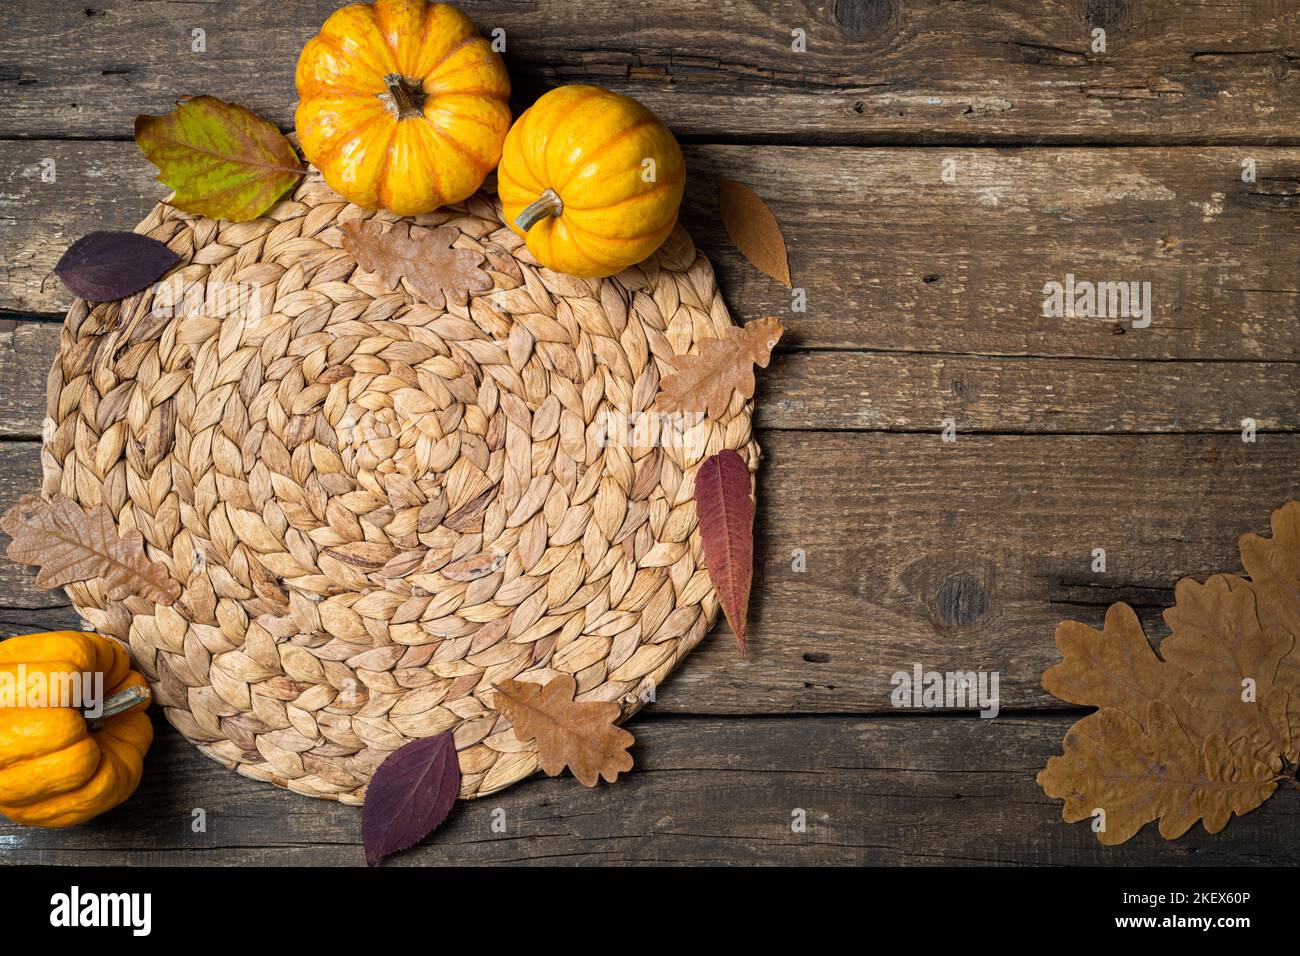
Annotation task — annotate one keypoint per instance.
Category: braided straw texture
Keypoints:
(378, 508)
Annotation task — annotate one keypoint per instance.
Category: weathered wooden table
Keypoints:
(1173, 157)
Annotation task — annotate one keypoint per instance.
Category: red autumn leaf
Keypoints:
(410, 795)
(726, 515)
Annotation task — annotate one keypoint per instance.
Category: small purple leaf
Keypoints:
(105, 266)
(409, 796)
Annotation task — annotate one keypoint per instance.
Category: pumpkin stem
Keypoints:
(405, 98)
(124, 701)
(548, 203)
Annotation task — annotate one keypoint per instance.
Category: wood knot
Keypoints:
(1105, 13)
(961, 600)
(859, 19)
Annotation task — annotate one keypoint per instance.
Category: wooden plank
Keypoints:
(874, 391)
(953, 556)
(901, 791)
(895, 392)
(872, 70)
(27, 351)
(890, 257)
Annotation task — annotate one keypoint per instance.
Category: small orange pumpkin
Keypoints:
(55, 770)
(402, 105)
(592, 179)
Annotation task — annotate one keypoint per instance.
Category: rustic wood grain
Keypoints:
(915, 392)
(878, 391)
(890, 258)
(873, 70)
(899, 791)
(956, 557)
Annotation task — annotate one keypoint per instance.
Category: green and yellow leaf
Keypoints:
(223, 161)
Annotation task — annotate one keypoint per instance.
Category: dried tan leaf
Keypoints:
(1216, 644)
(423, 258)
(1114, 667)
(1135, 774)
(1200, 731)
(70, 544)
(1274, 568)
(707, 381)
(1231, 662)
(581, 735)
(754, 230)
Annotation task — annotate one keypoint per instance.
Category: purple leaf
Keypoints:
(104, 266)
(409, 796)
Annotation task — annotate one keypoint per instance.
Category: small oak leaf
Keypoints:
(581, 735)
(1217, 640)
(1212, 625)
(423, 258)
(723, 366)
(70, 544)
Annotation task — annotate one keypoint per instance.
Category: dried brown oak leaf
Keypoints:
(72, 544)
(706, 381)
(1202, 730)
(1135, 774)
(581, 735)
(1273, 565)
(1218, 642)
(423, 258)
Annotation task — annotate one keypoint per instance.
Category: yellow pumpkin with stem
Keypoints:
(592, 179)
(55, 769)
(402, 105)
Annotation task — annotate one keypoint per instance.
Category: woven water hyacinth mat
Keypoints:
(378, 507)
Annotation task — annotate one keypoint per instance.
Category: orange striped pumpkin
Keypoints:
(592, 179)
(55, 769)
(402, 105)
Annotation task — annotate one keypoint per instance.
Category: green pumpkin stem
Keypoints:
(548, 203)
(124, 701)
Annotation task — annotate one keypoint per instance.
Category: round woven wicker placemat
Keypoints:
(379, 508)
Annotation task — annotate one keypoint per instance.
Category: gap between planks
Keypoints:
(900, 392)
(1019, 70)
